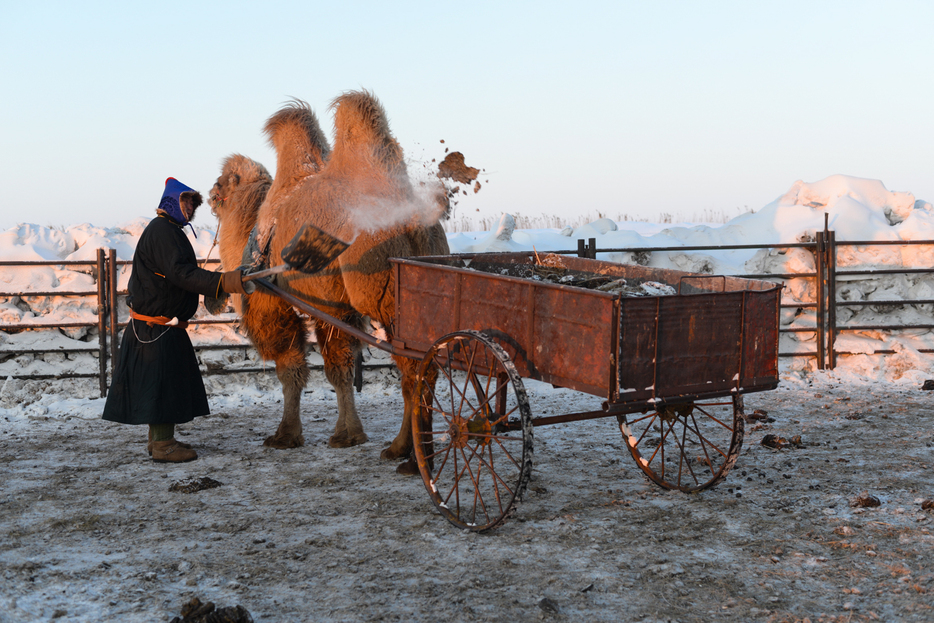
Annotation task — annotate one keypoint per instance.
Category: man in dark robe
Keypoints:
(156, 380)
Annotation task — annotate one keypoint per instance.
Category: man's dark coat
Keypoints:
(157, 380)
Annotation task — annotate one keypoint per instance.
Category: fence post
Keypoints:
(114, 316)
(586, 250)
(831, 297)
(102, 321)
(819, 256)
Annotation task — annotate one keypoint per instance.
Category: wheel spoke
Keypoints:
(499, 442)
(704, 440)
(661, 444)
(455, 392)
(647, 428)
(475, 479)
(729, 428)
(681, 447)
(455, 489)
(440, 468)
(448, 374)
(495, 480)
(704, 443)
(496, 477)
(490, 464)
(637, 420)
(469, 379)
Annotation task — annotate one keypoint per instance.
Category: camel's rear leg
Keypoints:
(401, 446)
(339, 350)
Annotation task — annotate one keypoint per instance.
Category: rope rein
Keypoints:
(217, 234)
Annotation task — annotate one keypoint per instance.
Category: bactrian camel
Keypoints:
(358, 191)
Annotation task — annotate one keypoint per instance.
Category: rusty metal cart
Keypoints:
(672, 369)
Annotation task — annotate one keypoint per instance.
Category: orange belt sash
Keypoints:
(160, 320)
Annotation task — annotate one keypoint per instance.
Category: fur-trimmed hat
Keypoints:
(171, 196)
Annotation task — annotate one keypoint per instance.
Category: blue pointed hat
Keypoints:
(170, 202)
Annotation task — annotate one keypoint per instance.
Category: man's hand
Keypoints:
(232, 282)
(217, 305)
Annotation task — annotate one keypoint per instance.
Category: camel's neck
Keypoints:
(232, 238)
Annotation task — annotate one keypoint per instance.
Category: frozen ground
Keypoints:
(89, 530)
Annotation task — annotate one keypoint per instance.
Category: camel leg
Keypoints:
(401, 446)
(293, 373)
(338, 350)
(279, 335)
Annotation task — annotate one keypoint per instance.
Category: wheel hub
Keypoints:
(671, 414)
(463, 429)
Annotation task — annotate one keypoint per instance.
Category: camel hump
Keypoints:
(361, 127)
(295, 134)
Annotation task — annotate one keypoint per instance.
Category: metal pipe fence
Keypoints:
(824, 250)
(109, 324)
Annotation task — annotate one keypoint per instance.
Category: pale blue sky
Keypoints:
(574, 107)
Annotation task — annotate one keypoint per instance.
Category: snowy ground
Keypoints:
(89, 530)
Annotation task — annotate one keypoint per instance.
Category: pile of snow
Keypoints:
(856, 209)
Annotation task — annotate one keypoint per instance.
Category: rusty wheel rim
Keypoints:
(473, 432)
(689, 447)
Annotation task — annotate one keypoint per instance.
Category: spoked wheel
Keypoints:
(689, 446)
(473, 432)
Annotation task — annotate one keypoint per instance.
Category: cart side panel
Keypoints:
(574, 341)
(637, 343)
(760, 348)
(676, 345)
(502, 309)
(700, 347)
(554, 334)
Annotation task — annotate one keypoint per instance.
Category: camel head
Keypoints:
(235, 199)
(239, 190)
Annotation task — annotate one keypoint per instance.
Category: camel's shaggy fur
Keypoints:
(360, 192)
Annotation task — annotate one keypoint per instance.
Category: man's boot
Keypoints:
(149, 446)
(171, 451)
